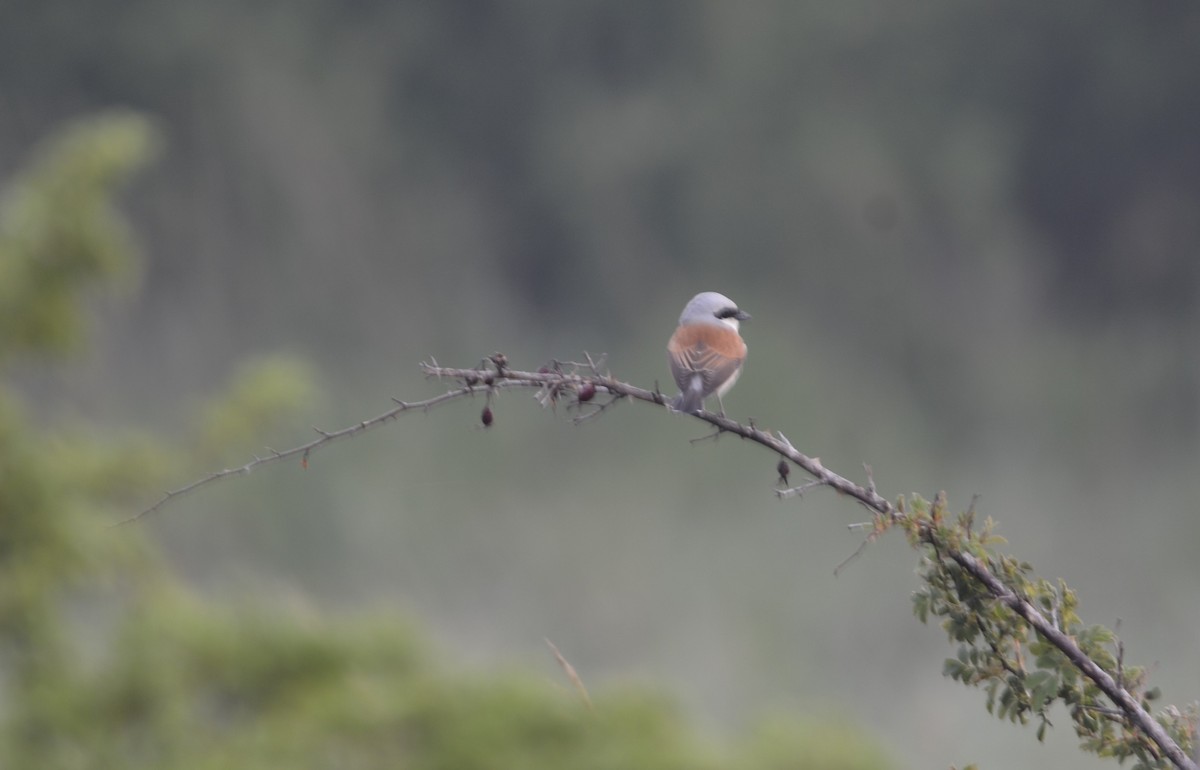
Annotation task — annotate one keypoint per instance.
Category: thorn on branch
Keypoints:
(660, 398)
(595, 365)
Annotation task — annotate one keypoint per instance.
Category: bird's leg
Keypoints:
(721, 404)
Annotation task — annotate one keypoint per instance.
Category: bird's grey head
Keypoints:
(711, 307)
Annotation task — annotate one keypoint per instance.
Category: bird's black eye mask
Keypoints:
(731, 312)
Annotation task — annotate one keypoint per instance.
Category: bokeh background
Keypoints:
(969, 236)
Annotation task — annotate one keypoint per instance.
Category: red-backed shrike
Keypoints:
(706, 352)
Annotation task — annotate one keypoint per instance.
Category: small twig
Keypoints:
(1056, 618)
(716, 434)
(596, 411)
(1009, 667)
(798, 491)
(857, 552)
(588, 364)
(572, 675)
(593, 365)
(969, 516)
(1120, 655)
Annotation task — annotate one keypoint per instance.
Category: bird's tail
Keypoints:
(691, 400)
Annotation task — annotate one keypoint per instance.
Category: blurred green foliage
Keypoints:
(58, 233)
(106, 661)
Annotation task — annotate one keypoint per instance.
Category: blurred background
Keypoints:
(969, 237)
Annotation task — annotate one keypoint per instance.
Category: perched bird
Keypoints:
(706, 352)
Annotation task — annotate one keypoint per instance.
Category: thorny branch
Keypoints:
(304, 450)
(567, 380)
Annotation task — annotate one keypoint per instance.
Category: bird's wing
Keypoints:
(713, 352)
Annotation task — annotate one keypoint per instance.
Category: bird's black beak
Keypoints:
(742, 315)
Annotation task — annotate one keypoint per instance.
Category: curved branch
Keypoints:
(304, 450)
(1128, 705)
(558, 383)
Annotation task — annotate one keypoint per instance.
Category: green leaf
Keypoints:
(1042, 686)
(921, 606)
